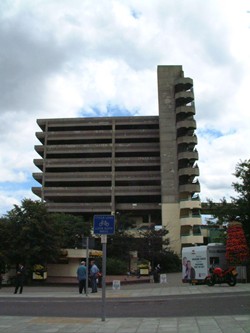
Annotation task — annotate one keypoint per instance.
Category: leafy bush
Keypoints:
(169, 261)
(116, 266)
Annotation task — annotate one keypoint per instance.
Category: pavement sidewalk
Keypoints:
(208, 324)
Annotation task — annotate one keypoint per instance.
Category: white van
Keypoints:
(197, 260)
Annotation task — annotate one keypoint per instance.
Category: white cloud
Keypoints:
(9, 198)
(70, 58)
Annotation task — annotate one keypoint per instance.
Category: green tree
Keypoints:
(242, 202)
(153, 244)
(124, 221)
(116, 266)
(239, 207)
(31, 236)
(4, 244)
(119, 246)
(71, 230)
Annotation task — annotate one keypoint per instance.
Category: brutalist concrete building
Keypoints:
(144, 168)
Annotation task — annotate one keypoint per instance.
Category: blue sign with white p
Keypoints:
(104, 224)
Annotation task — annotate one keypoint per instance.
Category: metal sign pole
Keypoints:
(104, 255)
(104, 225)
(87, 265)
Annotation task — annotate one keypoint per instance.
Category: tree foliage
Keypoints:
(31, 235)
(116, 266)
(5, 237)
(239, 207)
(120, 244)
(71, 230)
(153, 245)
(242, 202)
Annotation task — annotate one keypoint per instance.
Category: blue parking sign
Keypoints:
(104, 224)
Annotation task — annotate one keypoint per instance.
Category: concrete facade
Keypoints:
(141, 167)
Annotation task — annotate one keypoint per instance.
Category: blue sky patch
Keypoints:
(135, 14)
(209, 133)
(111, 111)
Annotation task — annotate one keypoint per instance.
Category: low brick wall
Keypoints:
(109, 279)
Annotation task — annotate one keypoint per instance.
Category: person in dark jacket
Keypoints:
(20, 274)
(156, 274)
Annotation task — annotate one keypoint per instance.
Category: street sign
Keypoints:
(104, 224)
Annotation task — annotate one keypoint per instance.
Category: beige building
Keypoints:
(140, 168)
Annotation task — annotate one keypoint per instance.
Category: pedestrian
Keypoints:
(20, 274)
(156, 273)
(81, 277)
(158, 267)
(94, 270)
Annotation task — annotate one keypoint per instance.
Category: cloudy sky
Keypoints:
(71, 58)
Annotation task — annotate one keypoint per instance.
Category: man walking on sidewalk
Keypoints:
(81, 277)
(93, 275)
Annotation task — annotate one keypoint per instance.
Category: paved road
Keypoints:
(154, 306)
(184, 294)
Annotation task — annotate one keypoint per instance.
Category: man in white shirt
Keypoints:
(93, 275)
